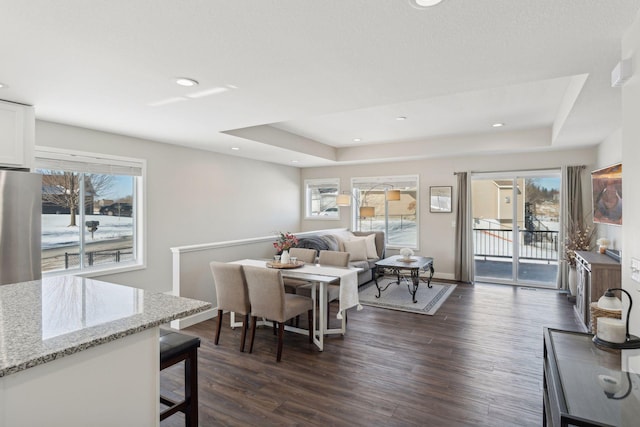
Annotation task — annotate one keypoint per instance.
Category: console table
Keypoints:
(585, 385)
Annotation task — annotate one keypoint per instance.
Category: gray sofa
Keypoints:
(335, 242)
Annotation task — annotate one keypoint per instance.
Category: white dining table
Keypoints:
(320, 276)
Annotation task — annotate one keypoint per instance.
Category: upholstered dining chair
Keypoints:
(308, 256)
(328, 258)
(335, 258)
(269, 300)
(231, 294)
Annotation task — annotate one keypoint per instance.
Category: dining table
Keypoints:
(320, 276)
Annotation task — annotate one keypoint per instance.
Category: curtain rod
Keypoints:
(545, 169)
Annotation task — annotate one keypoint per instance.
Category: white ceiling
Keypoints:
(306, 77)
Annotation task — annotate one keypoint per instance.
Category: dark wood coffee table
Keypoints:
(397, 265)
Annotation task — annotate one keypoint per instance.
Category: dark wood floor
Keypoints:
(478, 362)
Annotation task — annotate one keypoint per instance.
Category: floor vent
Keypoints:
(528, 289)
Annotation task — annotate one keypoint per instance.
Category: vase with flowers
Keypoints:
(285, 242)
(579, 237)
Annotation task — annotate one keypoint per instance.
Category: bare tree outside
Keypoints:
(63, 189)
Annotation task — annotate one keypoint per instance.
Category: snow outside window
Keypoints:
(398, 218)
(320, 198)
(89, 211)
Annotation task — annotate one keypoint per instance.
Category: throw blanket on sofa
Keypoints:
(319, 243)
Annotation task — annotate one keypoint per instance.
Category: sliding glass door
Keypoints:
(515, 227)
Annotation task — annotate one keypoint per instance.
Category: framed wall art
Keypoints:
(606, 184)
(440, 199)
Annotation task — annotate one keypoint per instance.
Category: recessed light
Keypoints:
(235, 148)
(497, 125)
(424, 3)
(185, 81)
(400, 118)
(294, 161)
(2, 85)
(232, 86)
(356, 140)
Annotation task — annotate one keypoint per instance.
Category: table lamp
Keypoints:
(614, 333)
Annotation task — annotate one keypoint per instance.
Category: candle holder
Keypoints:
(631, 341)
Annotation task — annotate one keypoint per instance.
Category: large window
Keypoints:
(378, 208)
(90, 211)
(320, 198)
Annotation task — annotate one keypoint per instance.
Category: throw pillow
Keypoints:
(370, 241)
(357, 249)
(341, 237)
(372, 250)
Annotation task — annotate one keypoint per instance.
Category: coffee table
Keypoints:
(397, 264)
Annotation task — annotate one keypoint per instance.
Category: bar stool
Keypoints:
(174, 348)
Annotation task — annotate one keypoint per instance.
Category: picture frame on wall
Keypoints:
(606, 184)
(440, 199)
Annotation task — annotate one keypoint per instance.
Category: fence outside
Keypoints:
(540, 245)
(72, 259)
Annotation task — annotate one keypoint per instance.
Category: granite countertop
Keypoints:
(44, 320)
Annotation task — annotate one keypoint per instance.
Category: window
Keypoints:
(90, 215)
(378, 211)
(320, 198)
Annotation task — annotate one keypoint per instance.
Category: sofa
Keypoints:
(365, 247)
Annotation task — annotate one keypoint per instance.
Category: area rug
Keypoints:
(397, 297)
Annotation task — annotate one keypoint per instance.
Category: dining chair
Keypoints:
(335, 258)
(231, 294)
(308, 256)
(269, 300)
(328, 258)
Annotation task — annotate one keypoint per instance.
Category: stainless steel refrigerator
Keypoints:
(20, 226)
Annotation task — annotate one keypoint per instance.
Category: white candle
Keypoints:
(612, 330)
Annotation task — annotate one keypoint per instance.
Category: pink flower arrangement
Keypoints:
(285, 242)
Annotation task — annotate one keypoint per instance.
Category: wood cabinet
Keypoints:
(17, 129)
(596, 273)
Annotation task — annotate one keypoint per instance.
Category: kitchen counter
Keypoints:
(47, 319)
(65, 337)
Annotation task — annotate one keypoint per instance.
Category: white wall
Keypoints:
(609, 153)
(630, 170)
(196, 196)
(193, 196)
(436, 231)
